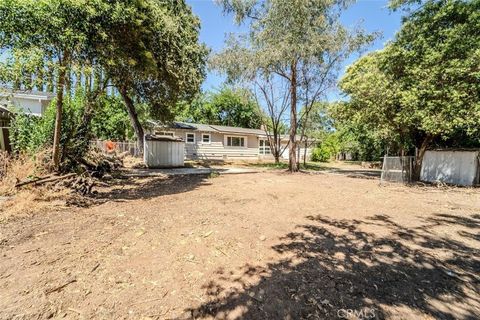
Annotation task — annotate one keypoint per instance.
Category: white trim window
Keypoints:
(264, 147)
(236, 141)
(206, 138)
(190, 137)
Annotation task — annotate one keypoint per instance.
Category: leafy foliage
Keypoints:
(327, 149)
(425, 85)
(111, 121)
(299, 42)
(31, 133)
(228, 107)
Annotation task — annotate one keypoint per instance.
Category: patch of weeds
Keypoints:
(313, 166)
(213, 175)
(270, 165)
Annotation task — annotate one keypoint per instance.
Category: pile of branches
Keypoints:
(78, 174)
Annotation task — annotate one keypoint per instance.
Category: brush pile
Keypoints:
(28, 184)
(79, 175)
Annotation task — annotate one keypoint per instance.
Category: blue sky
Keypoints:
(372, 14)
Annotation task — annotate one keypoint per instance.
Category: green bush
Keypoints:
(320, 155)
(111, 121)
(327, 149)
(31, 133)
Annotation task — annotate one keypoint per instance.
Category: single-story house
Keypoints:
(214, 142)
(28, 101)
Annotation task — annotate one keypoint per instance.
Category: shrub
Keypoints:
(327, 149)
(30, 133)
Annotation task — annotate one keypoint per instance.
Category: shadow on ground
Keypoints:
(332, 267)
(359, 173)
(134, 188)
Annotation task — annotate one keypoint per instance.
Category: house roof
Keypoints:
(217, 128)
(226, 129)
(27, 94)
(4, 112)
(193, 126)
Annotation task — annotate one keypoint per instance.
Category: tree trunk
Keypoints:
(68, 82)
(50, 75)
(305, 155)
(39, 80)
(59, 112)
(132, 113)
(78, 79)
(299, 149)
(88, 82)
(292, 161)
(419, 159)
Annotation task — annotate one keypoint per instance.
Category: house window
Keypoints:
(164, 133)
(264, 147)
(190, 137)
(206, 138)
(235, 141)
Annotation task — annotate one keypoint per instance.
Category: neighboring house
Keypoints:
(31, 102)
(203, 141)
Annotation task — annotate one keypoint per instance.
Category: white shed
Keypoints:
(163, 152)
(451, 166)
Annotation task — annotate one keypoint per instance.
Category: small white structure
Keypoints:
(30, 102)
(214, 142)
(453, 167)
(163, 152)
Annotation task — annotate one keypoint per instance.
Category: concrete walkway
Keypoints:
(185, 171)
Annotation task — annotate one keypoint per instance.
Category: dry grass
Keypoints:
(26, 200)
(20, 168)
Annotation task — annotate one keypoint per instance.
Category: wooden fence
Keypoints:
(117, 147)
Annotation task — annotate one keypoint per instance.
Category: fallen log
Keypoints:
(45, 179)
(19, 184)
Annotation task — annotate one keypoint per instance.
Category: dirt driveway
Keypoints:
(254, 246)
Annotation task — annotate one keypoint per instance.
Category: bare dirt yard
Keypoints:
(268, 245)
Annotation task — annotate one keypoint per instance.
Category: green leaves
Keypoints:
(424, 83)
(228, 107)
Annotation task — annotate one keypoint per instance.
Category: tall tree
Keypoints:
(234, 107)
(153, 55)
(57, 28)
(301, 41)
(274, 93)
(424, 85)
(148, 49)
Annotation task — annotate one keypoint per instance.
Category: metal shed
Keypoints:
(460, 167)
(163, 152)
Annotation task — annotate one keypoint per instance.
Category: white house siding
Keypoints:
(34, 106)
(217, 149)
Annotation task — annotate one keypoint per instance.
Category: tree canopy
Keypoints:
(425, 84)
(147, 49)
(228, 107)
(299, 42)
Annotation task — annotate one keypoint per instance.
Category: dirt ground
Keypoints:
(268, 245)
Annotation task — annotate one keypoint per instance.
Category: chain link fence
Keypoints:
(397, 169)
(117, 147)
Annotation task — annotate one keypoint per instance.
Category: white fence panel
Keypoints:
(453, 167)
